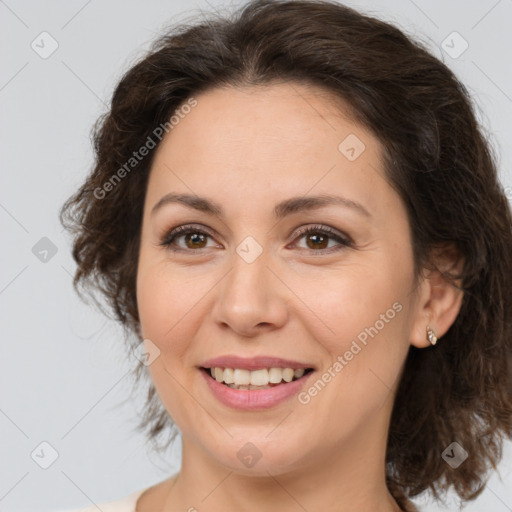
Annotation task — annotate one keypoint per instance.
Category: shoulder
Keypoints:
(409, 506)
(126, 504)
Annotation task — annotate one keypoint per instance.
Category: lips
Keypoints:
(254, 363)
(246, 383)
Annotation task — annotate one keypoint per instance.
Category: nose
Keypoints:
(251, 298)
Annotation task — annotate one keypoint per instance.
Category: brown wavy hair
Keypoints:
(436, 157)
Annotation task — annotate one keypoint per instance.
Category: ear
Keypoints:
(439, 301)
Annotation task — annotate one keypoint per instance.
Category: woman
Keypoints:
(297, 219)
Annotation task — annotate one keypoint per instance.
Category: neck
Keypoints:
(352, 477)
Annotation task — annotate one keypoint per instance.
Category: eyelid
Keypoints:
(183, 229)
(343, 240)
(314, 228)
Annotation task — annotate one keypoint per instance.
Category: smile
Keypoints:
(241, 394)
(239, 378)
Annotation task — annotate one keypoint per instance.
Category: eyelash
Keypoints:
(180, 231)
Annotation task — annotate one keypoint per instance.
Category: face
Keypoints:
(326, 287)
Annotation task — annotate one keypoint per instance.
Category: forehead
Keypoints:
(268, 140)
(278, 113)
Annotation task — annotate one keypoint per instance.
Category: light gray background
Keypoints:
(63, 368)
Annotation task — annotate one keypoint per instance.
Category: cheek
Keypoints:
(161, 307)
(171, 302)
(362, 370)
(355, 299)
(166, 317)
(364, 313)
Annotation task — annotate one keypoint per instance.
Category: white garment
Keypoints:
(126, 504)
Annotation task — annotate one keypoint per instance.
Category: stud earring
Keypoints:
(431, 335)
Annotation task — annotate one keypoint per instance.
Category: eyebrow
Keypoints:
(281, 210)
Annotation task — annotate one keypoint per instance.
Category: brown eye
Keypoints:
(193, 239)
(196, 240)
(316, 241)
(318, 237)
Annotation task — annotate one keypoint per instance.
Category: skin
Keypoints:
(248, 149)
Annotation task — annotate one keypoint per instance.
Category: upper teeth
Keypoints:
(240, 377)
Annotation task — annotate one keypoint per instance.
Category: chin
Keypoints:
(259, 455)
